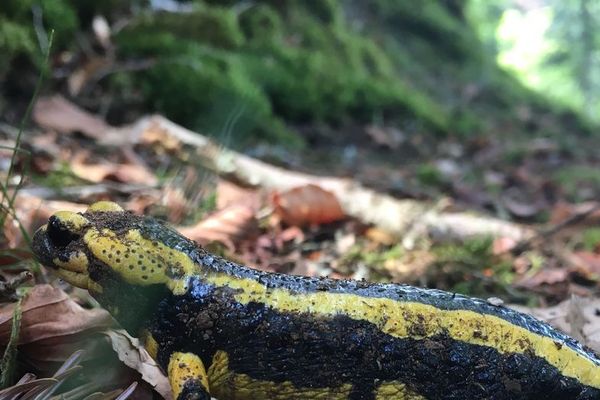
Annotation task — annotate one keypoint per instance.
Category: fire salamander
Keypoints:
(224, 330)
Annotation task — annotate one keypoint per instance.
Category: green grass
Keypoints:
(7, 209)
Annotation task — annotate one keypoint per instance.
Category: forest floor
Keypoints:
(304, 225)
(363, 148)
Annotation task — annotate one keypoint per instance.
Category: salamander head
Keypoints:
(118, 256)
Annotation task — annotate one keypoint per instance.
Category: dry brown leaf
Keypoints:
(545, 276)
(379, 236)
(32, 212)
(120, 172)
(178, 206)
(59, 114)
(52, 323)
(160, 140)
(586, 264)
(410, 267)
(229, 193)
(307, 205)
(134, 355)
(388, 137)
(563, 211)
(228, 226)
(502, 245)
(88, 73)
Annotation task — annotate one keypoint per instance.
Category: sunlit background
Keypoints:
(552, 46)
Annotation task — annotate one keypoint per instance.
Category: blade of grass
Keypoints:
(10, 198)
(17, 390)
(127, 392)
(25, 118)
(69, 367)
(8, 363)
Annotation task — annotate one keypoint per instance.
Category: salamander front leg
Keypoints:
(187, 376)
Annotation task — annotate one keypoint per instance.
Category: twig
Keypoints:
(550, 231)
(8, 290)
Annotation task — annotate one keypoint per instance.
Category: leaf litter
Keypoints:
(297, 223)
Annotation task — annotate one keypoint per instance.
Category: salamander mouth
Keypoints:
(50, 247)
(42, 247)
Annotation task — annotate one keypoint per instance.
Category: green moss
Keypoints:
(326, 11)
(591, 239)
(15, 39)
(430, 20)
(62, 176)
(429, 175)
(326, 74)
(471, 268)
(373, 259)
(60, 16)
(214, 26)
(262, 26)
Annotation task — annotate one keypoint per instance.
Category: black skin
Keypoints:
(261, 342)
(274, 346)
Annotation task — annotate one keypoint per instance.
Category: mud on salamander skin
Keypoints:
(224, 330)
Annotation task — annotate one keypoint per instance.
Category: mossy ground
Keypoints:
(262, 69)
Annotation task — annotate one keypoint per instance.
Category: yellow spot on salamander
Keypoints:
(77, 262)
(396, 391)
(184, 367)
(150, 344)
(105, 206)
(227, 384)
(78, 279)
(72, 221)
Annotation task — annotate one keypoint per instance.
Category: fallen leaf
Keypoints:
(290, 234)
(134, 355)
(32, 212)
(563, 211)
(120, 172)
(586, 264)
(228, 226)
(52, 323)
(380, 236)
(87, 74)
(411, 267)
(160, 140)
(545, 276)
(229, 193)
(307, 205)
(389, 137)
(59, 114)
(178, 206)
(502, 245)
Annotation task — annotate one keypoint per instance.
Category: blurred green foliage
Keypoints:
(300, 63)
(552, 46)
(591, 239)
(263, 68)
(472, 268)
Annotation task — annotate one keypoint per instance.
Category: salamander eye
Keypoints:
(59, 235)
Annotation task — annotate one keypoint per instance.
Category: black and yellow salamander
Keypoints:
(224, 330)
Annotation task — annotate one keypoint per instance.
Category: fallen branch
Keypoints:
(398, 216)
